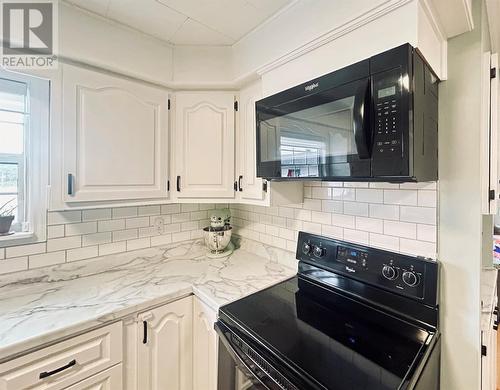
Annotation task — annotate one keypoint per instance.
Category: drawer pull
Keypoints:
(46, 374)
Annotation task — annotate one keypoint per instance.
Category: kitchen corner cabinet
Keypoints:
(115, 138)
(164, 347)
(250, 188)
(205, 347)
(203, 145)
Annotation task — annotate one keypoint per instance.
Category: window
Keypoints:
(24, 103)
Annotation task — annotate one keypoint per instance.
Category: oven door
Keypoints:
(240, 367)
(324, 135)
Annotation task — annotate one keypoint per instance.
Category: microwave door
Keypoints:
(319, 136)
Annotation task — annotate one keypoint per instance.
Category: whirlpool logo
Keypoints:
(310, 87)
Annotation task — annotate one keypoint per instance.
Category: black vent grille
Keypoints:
(279, 380)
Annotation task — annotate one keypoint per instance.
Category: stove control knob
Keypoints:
(306, 248)
(319, 251)
(411, 278)
(389, 272)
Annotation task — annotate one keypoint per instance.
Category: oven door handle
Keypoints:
(236, 357)
(361, 119)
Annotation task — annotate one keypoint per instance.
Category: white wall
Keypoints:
(90, 39)
(460, 224)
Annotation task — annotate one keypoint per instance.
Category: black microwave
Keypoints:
(375, 120)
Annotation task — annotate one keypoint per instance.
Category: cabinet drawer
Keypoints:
(64, 363)
(110, 379)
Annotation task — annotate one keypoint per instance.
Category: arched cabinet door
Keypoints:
(115, 138)
(164, 351)
(203, 145)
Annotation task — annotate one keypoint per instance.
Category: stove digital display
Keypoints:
(352, 257)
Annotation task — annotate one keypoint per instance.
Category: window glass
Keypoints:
(13, 119)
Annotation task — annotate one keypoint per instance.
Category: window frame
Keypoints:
(33, 167)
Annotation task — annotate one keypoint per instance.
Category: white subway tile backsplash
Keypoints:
(385, 215)
(148, 210)
(133, 223)
(182, 217)
(82, 253)
(355, 208)
(124, 212)
(96, 238)
(356, 236)
(161, 240)
(346, 221)
(187, 207)
(332, 231)
(400, 197)
(314, 228)
(369, 195)
(62, 217)
(111, 225)
(139, 243)
(369, 224)
(77, 229)
(384, 242)
(114, 247)
(312, 204)
(25, 250)
(15, 264)
(384, 211)
(321, 217)
(82, 234)
(418, 248)
(427, 198)
(321, 193)
(426, 215)
(170, 208)
(58, 244)
(332, 206)
(46, 259)
(96, 214)
(124, 235)
(55, 231)
(181, 236)
(302, 215)
(427, 233)
(400, 229)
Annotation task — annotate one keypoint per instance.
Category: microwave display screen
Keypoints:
(385, 92)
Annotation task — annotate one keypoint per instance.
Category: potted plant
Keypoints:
(7, 216)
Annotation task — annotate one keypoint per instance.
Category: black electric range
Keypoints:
(353, 317)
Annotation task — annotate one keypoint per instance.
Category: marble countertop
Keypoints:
(40, 306)
(488, 290)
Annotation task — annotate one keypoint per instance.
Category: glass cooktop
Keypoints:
(338, 342)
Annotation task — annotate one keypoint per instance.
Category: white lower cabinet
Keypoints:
(110, 379)
(205, 347)
(171, 347)
(164, 347)
(66, 363)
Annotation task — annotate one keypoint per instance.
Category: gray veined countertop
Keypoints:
(40, 306)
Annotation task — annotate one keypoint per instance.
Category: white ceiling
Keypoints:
(187, 22)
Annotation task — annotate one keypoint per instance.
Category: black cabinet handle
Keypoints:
(239, 183)
(71, 181)
(145, 332)
(46, 374)
(178, 184)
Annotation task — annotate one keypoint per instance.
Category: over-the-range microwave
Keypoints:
(375, 120)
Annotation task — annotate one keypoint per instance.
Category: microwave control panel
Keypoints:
(386, 96)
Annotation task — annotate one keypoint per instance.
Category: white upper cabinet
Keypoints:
(115, 138)
(249, 186)
(203, 145)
